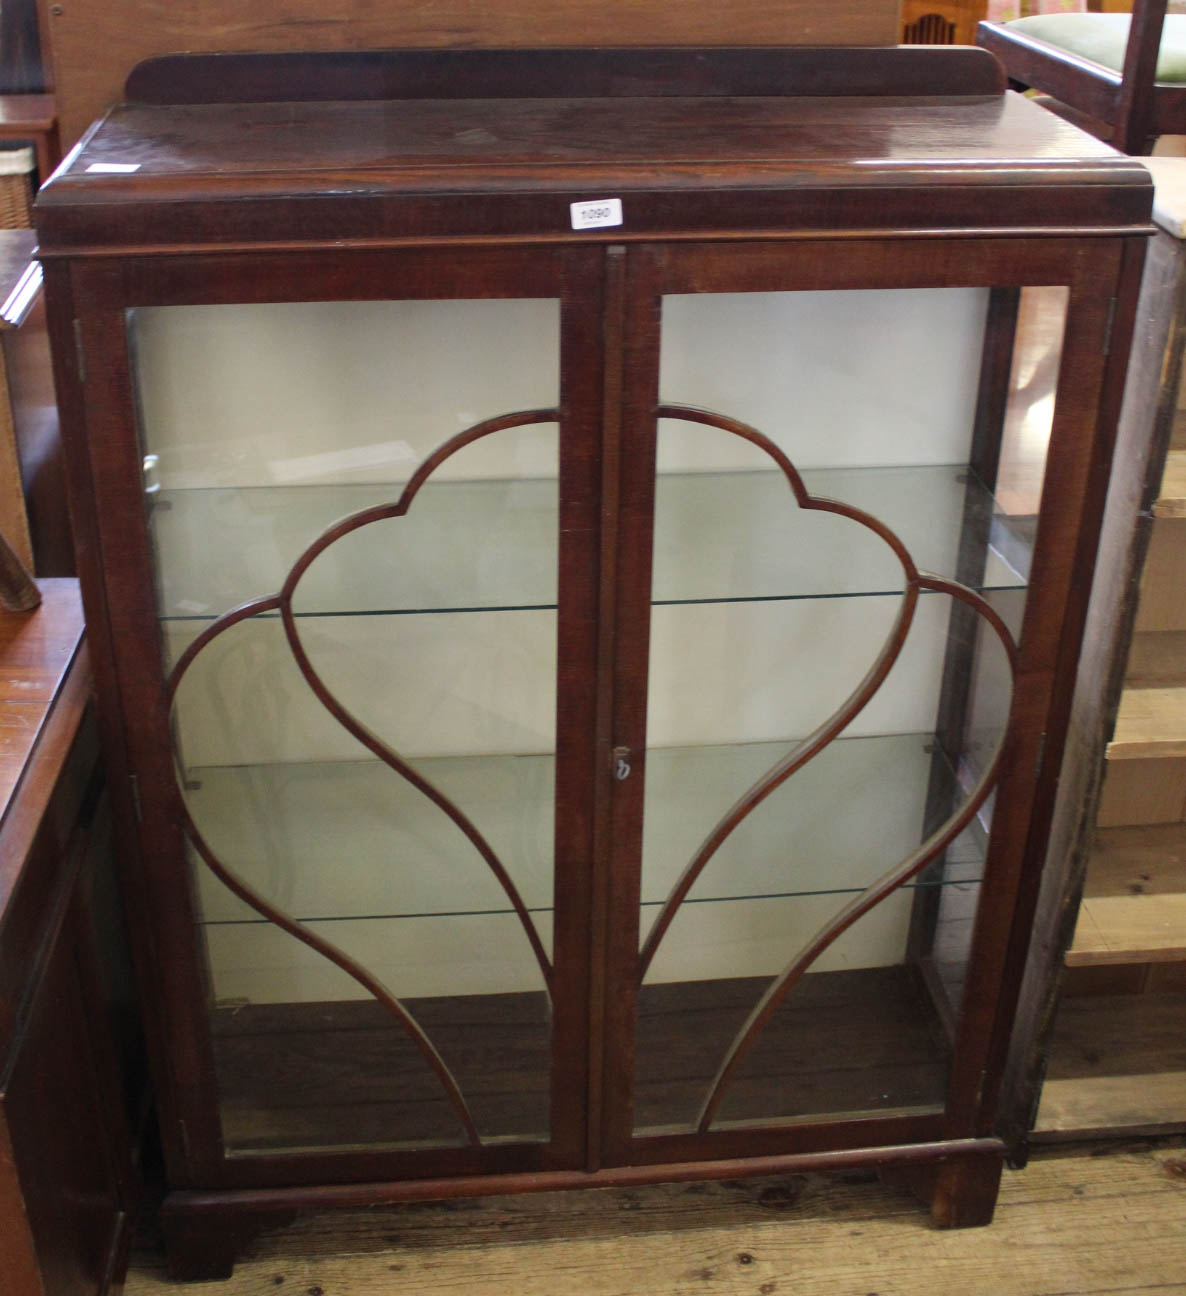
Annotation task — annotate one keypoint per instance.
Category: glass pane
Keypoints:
(370, 783)
(813, 738)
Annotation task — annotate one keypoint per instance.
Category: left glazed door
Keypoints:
(355, 502)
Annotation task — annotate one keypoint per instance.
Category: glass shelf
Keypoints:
(325, 841)
(218, 547)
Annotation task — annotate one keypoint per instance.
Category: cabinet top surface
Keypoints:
(431, 168)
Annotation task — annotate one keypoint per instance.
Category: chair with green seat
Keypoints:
(1123, 76)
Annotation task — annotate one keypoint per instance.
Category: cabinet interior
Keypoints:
(264, 424)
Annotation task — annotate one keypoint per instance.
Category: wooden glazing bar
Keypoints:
(631, 668)
(152, 814)
(584, 352)
(1000, 328)
(602, 785)
(1087, 405)
(429, 277)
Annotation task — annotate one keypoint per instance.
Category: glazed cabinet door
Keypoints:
(834, 766)
(348, 510)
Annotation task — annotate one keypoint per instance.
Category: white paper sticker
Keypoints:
(114, 168)
(597, 214)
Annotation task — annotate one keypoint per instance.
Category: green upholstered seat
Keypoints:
(1103, 37)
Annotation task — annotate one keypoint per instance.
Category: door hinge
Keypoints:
(79, 350)
(1109, 324)
(620, 763)
(134, 783)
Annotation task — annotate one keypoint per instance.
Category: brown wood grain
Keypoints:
(1172, 500)
(94, 44)
(359, 201)
(16, 262)
(1128, 929)
(1085, 1219)
(65, 1168)
(1131, 792)
(591, 73)
(1156, 659)
(783, 167)
(38, 648)
(1151, 722)
(1143, 860)
(1143, 792)
(1161, 606)
(1117, 1063)
(334, 1075)
(17, 1252)
(29, 377)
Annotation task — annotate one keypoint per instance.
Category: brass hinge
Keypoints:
(79, 350)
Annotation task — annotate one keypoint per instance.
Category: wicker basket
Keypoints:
(16, 188)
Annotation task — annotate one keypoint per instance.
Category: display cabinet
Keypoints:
(559, 532)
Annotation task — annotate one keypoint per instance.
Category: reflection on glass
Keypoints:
(873, 992)
(378, 787)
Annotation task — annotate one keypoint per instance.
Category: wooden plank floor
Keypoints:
(1086, 1220)
(333, 1074)
(1117, 1063)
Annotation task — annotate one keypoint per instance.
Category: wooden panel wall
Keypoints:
(93, 44)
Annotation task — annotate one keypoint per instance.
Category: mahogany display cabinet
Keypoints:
(585, 603)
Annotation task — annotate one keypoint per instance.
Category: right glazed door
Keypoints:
(832, 476)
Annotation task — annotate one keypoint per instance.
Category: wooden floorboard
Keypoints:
(1134, 902)
(1157, 659)
(1172, 500)
(336, 1074)
(1084, 1220)
(1138, 860)
(1151, 723)
(1117, 1062)
(1129, 929)
(1112, 1104)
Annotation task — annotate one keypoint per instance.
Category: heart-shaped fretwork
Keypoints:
(809, 747)
(282, 603)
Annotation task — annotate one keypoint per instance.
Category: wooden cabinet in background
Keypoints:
(69, 1096)
(579, 712)
(33, 514)
(1100, 1047)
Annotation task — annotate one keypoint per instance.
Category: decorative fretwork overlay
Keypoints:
(282, 603)
(914, 583)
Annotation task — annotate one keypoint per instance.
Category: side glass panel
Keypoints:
(366, 752)
(840, 562)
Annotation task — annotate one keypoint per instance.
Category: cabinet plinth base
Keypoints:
(204, 1232)
(960, 1193)
(203, 1245)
